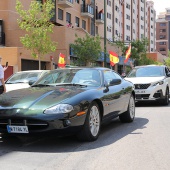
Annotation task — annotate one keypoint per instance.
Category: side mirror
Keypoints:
(115, 82)
(31, 82)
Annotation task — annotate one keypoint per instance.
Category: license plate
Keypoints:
(17, 129)
(140, 91)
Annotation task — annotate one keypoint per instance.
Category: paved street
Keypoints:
(141, 145)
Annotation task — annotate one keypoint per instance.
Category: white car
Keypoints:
(21, 79)
(152, 82)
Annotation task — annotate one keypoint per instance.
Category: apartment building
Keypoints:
(71, 17)
(125, 20)
(163, 32)
(151, 25)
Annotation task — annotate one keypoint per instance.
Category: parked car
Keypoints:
(21, 79)
(152, 83)
(68, 101)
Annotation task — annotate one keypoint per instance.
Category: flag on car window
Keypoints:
(128, 53)
(113, 58)
(61, 61)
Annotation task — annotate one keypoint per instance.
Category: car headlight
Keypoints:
(60, 108)
(158, 83)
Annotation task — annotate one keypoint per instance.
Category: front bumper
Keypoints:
(152, 93)
(60, 126)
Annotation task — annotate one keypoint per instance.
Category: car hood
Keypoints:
(10, 87)
(144, 80)
(36, 98)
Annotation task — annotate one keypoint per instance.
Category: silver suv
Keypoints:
(152, 82)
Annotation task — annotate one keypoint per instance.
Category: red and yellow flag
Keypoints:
(61, 60)
(113, 58)
(128, 53)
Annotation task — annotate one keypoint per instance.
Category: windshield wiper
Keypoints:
(71, 84)
(40, 85)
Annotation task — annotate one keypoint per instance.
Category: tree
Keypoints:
(167, 61)
(36, 22)
(87, 49)
(138, 51)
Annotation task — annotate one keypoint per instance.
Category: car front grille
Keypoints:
(142, 86)
(142, 96)
(31, 123)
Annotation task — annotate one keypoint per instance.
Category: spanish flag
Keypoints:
(113, 58)
(128, 53)
(61, 60)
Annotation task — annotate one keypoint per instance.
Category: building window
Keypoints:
(141, 8)
(127, 17)
(68, 17)
(162, 24)
(117, 8)
(109, 29)
(77, 23)
(127, 6)
(162, 30)
(84, 24)
(162, 49)
(127, 27)
(60, 14)
(77, 1)
(108, 2)
(108, 15)
(162, 36)
(162, 43)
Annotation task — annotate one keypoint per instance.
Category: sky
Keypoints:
(160, 5)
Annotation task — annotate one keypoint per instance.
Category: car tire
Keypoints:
(91, 128)
(129, 115)
(165, 101)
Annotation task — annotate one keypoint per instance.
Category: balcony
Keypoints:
(100, 18)
(66, 3)
(87, 11)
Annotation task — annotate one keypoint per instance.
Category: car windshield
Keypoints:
(146, 72)
(23, 77)
(88, 77)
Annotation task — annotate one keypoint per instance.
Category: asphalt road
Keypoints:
(141, 145)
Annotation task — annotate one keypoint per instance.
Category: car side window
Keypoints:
(117, 75)
(108, 76)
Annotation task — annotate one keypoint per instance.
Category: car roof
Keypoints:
(71, 68)
(150, 66)
(33, 71)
